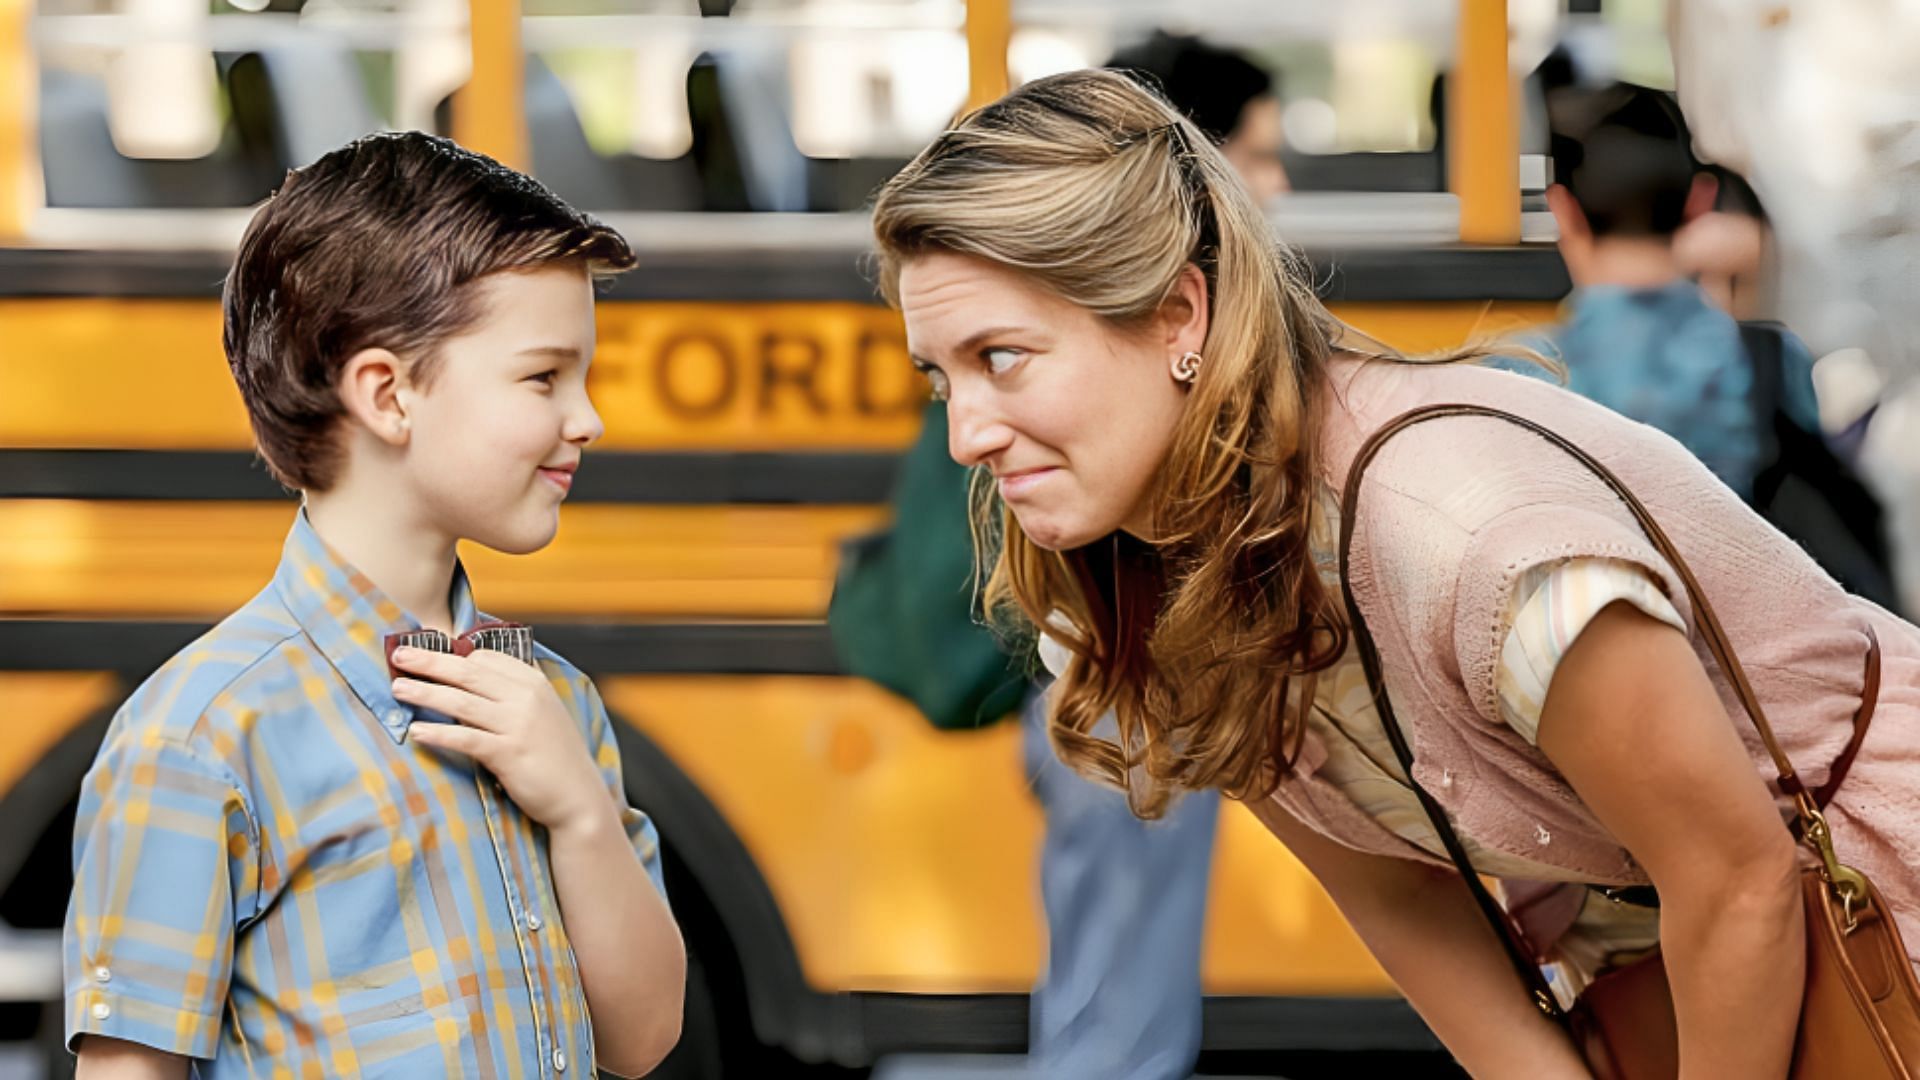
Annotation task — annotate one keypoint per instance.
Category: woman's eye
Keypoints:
(545, 378)
(937, 380)
(1001, 361)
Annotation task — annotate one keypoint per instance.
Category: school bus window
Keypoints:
(177, 104)
(609, 128)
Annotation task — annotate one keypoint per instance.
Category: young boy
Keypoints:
(290, 861)
(1641, 338)
(1645, 340)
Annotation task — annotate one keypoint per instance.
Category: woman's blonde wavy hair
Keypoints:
(1205, 644)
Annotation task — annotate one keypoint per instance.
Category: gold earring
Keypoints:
(1187, 367)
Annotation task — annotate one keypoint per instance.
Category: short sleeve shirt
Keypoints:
(1668, 357)
(270, 878)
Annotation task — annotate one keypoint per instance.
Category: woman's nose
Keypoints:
(974, 435)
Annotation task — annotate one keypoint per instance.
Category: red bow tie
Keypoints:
(514, 639)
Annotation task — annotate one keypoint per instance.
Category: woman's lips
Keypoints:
(560, 478)
(1022, 482)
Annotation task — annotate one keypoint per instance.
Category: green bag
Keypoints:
(902, 613)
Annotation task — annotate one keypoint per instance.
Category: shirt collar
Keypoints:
(348, 618)
(1679, 294)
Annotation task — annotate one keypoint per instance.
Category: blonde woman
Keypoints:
(1163, 418)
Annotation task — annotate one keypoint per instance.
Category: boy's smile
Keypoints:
(561, 476)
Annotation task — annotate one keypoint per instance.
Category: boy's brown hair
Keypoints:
(375, 245)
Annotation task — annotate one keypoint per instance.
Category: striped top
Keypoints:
(270, 878)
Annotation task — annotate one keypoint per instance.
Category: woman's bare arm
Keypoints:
(1422, 924)
(1633, 723)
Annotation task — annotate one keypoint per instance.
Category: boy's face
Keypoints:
(1253, 148)
(496, 436)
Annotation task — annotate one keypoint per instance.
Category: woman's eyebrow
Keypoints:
(969, 343)
(973, 340)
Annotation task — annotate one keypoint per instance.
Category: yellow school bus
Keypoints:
(851, 882)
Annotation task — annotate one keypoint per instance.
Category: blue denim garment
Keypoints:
(1668, 358)
(1126, 904)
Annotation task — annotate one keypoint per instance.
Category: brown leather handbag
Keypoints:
(1860, 1013)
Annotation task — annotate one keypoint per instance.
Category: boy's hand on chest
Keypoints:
(512, 722)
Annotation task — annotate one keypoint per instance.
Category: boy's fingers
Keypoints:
(460, 671)
(461, 740)
(507, 669)
(470, 709)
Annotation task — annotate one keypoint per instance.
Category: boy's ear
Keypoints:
(1576, 236)
(370, 388)
(1700, 195)
(1567, 215)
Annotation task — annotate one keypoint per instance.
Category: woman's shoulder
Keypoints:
(1477, 465)
(1461, 506)
(1455, 512)
(1367, 393)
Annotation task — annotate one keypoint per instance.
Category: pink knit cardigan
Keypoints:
(1453, 511)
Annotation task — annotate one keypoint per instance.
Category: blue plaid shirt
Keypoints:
(1670, 359)
(269, 877)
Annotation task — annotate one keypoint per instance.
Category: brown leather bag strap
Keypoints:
(1869, 696)
(1512, 942)
(1519, 953)
(1707, 622)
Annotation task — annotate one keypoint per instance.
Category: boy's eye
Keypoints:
(1001, 361)
(545, 378)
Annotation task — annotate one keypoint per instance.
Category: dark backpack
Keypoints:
(903, 606)
(1806, 490)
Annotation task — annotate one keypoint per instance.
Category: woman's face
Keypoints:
(1071, 415)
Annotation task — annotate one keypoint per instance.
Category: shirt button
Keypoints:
(533, 921)
(102, 1010)
(396, 717)
(559, 1061)
(101, 974)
